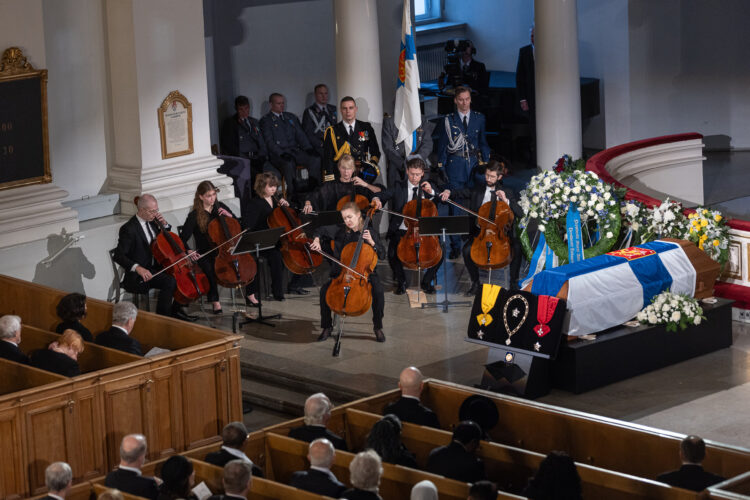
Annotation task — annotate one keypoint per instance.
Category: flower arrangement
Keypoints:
(708, 229)
(635, 220)
(673, 309)
(667, 221)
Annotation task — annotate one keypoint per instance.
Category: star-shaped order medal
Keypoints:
(515, 313)
(537, 346)
(480, 334)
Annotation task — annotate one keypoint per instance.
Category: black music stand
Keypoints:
(320, 219)
(256, 242)
(445, 226)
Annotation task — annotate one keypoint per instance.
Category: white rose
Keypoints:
(591, 203)
(535, 199)
(676, 316)
(577, 189)
(635, 226)
(668, 216)
(697, 320)
(533, 215)
(652, 318)
(609, 234)
(607, 195)
(641, 316)
(557, 190)
(600, 206)
(590, 213)
(566, 190)
(573, 199)
(588, 188)
(541, 227)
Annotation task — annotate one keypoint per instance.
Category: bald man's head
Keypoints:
(133, 450)
(321, 453)
(410, 382)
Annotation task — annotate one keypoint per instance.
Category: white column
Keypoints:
(155, 48)
(558, 89)
(358, 59)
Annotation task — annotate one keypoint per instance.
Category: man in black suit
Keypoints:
(457, 460)
(479, 195)
(118, 336)
(318, 117)
(399, 194)
(526, 89)
(238, 478)
(287, 143)
(319, 478)
(317, 413)
(10, 337)
(58, 477)
(233, 437)
(407, 407)
(127, 477)
(349, 136)
(691, 475)
(396, 152)
(133, 253)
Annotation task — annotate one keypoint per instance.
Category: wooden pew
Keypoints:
(511, 467)
(336, 424)
(100, 488)
(81, 491)
(255, 449)
(286, 456)
(591, 439)
(734, 488)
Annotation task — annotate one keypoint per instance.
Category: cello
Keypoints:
(491, 248)
(415, 251)
(231, 270)
(360, 200)
(295, 249)
(169, 252)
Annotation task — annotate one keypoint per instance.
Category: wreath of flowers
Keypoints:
(673, 309)
(636, 218)
(708, 230)
(667, 221)
(548, 197)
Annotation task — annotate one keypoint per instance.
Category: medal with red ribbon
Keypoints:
(545, 309)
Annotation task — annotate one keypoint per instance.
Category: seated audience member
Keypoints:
(364, 474)
(408, 408)
(481, 410)
(483, 490)
(319, 478)
(71, 310)
(317, 413)
(61, 356)
(233, 437)
(557, 478)
(127, 476)
(238, 477)
(457, 460)
(110, 495)
(10, 337)
(118, 337)
(178, 479)
(424, 490)
(691, 475)
(58, 477)
(385, 439)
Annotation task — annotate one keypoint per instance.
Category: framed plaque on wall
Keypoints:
(24, 140)
(176, 125)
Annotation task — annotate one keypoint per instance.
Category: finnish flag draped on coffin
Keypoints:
(406, 115)
(609, 289)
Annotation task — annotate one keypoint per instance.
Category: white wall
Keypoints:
(21, 26)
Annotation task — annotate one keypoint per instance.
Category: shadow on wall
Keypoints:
(65, 266)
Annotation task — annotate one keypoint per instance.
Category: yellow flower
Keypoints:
(704, 222)
(692, 215)
(716, 243)
(700, 245)
(705, 212)
(717, 217)
(692, 229)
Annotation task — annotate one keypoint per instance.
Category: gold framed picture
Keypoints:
(24, 138)
(176, 125)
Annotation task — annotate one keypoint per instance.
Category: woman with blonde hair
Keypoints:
(61, 356)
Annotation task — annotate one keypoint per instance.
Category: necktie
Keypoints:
(351, 130)
(493, 195)
(247, 123)
(466, 122)
(415, 193)
(149, 232)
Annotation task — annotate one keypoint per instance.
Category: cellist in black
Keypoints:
(328, 194)
(478, 196)
(343, 234)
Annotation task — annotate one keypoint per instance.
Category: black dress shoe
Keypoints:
(473, 290)
(298, 291)
(455, 253)
(379, 335)
(218, 311)
(400, 289)
(324, 334)
(180, 314)
(428, 289)
(279, 298)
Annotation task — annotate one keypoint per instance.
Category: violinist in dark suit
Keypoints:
(58, 477)
(118, 336)
(458, 460)
(398, 195)
(10, 337)
(133, 253)
(127, 476)
(478, 196)
(287, 143)
(319, 478)
(317, 413)
(61, 356)
(691, 474)
(349, 136)
(318, 117)
(408, 408)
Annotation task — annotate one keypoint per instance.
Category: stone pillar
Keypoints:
(558, 88)
(358, 59)
(154, 49)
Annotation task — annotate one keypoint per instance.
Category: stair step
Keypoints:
(280, 399)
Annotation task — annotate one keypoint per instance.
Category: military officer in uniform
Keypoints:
(462, 149)
(350, 136)
(287, 143)
(318, 117)
(396, 153)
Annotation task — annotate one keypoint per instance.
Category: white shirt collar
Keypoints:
(350, 124)
(278, 115)
(461, 115)
(11, 342)
(131, 469)
(410, 397)
(55, 496)
(237, 453)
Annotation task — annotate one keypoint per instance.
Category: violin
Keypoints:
(350, 293)
(294, 243)
(415, 251)
(231, 270)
